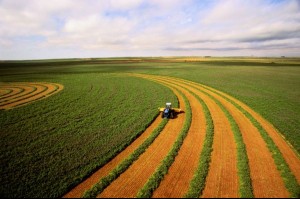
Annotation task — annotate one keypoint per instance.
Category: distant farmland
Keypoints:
(91, 127)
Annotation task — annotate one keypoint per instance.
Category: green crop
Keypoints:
(49, 146)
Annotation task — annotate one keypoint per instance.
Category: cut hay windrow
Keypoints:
(288, 152)
(124, 165)
(104, 171)
(176, 182)
(287, 176)
(162, 170)
(26, 93)
(5, 92)
(132, 180)
(222, 162)
(245, 187)
(14, 91)
(29, 92)
(198, 182)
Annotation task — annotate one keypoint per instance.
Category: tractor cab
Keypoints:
(168, 105)
(168, 112)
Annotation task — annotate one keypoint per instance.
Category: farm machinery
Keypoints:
(168, 111)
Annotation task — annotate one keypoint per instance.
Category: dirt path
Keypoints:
(78, 191)
(132, 180)
(27, 93)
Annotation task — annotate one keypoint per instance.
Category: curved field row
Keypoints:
(24, 92)
(222, 178)
(132, 180)
(27, 91)
(263, 170)
(240, 151)
(13, 91)
(79, 190)
(5, 92)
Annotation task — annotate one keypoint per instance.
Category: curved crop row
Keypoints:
(162, 170)
(107, 180)
(287, 175)
(245, 185)
(197, 184)
(290, 181)
(132, 180)
(28, 92)
(234, 161)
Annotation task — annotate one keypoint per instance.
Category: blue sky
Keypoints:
(40, 29)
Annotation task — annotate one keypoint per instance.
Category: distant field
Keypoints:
(101, 111)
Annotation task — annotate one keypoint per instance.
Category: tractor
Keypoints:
(168, 111)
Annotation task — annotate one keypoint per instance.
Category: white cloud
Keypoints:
(143, 27)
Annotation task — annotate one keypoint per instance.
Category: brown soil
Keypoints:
(132, 180)
(106, 169)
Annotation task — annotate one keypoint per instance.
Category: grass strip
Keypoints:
(106, 181)
(154, 181)
(198, 182)
(288, 177)
(245, 185)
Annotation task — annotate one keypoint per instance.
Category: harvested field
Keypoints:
(270, 163)
(22, 93)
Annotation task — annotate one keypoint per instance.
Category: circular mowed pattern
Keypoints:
(235, 151)
(22, 93)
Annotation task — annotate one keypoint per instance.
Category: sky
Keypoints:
(43, 29)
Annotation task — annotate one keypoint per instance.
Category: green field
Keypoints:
(51, 145)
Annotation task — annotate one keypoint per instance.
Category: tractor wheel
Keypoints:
(162, 115)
